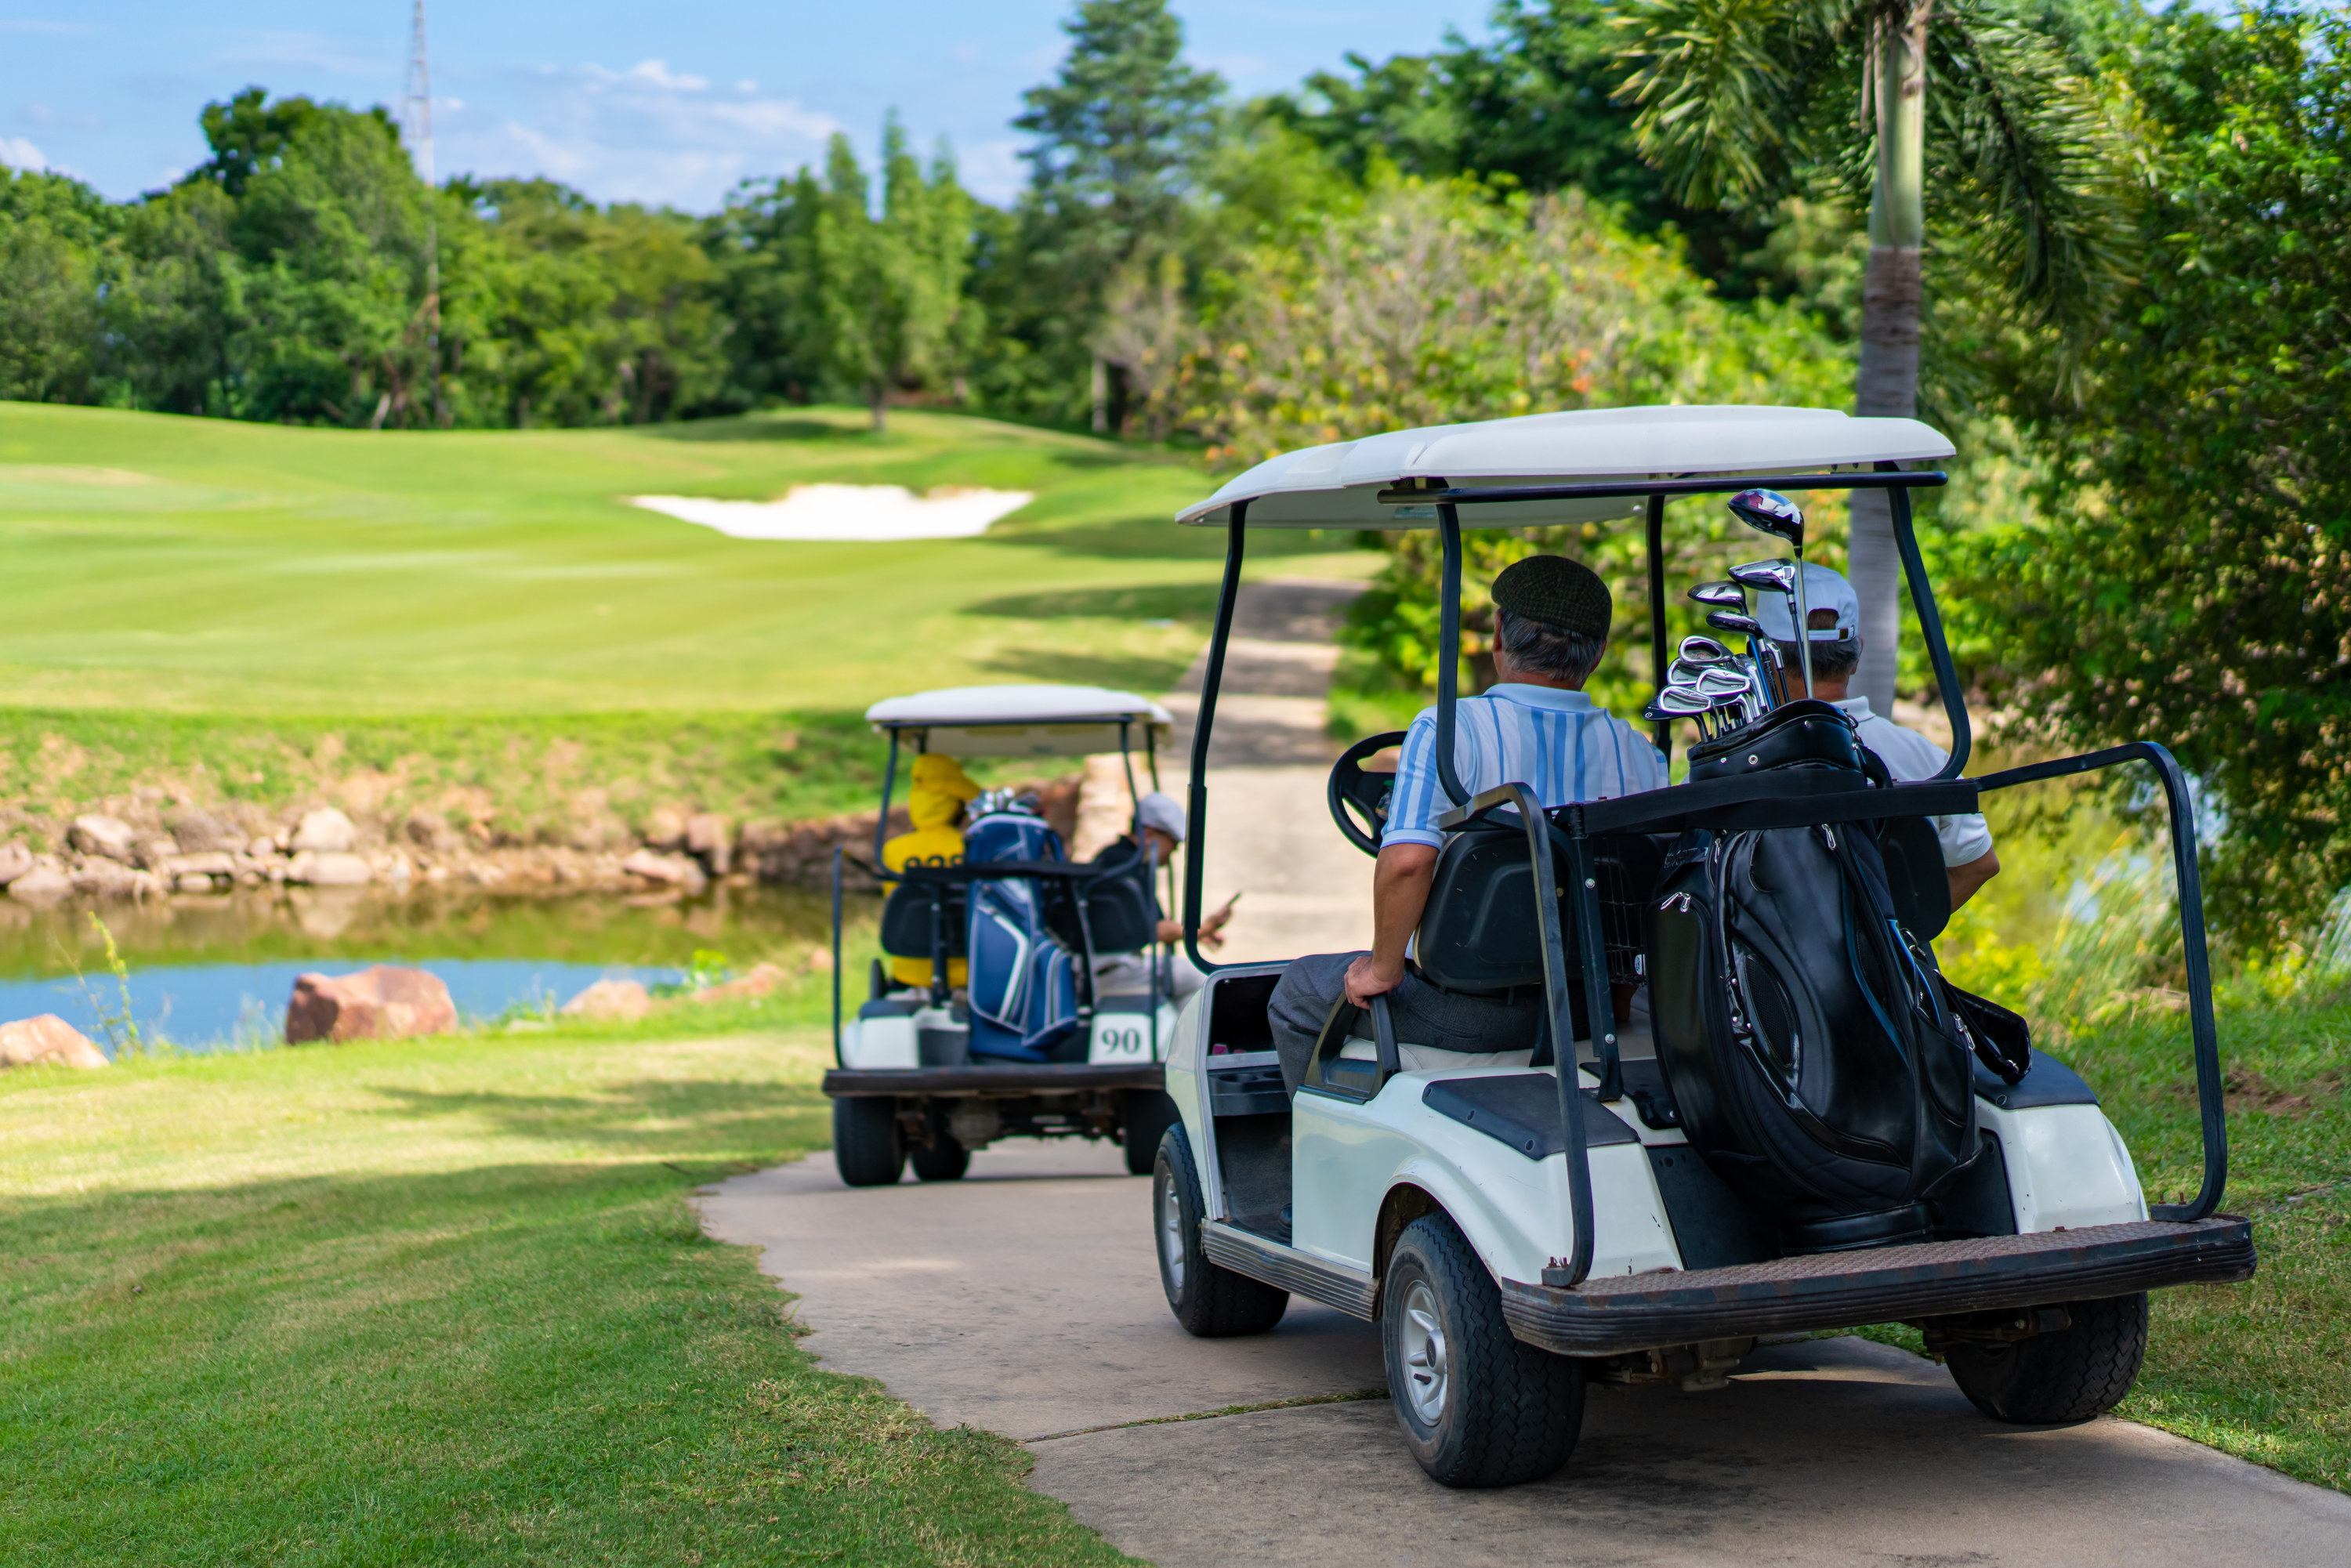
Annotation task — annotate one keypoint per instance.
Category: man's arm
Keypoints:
(1400, 884)
(1969, 879)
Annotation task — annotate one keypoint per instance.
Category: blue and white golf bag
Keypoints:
(1023, 982)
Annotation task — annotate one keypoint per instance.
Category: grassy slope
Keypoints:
(444, 1303)
(200, 565)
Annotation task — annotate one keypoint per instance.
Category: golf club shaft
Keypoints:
(1804, 623)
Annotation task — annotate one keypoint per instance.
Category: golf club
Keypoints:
(1785, 578)
(1769, 512)
(1695, 647)
(1720, 595)
(1732, 620)
(1680, 702)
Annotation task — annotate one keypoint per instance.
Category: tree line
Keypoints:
(2104, 244)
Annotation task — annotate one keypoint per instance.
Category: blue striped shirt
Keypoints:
(1559, 744)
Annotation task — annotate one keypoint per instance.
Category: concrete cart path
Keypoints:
(1026, 1300)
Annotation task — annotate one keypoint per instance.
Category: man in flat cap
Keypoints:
(1533, 726)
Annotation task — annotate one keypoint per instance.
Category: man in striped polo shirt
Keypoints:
(1533, 726)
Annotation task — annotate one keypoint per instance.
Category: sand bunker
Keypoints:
(863, 513)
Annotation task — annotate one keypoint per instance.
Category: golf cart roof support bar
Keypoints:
(838, 850)
(2201, 1022)
(1930, 626)
(881, 817)
(1562, 1026)
(1609, 490)
(1661, 732)
(1236, 536)
(1449, 652)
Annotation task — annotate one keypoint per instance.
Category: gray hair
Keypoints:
(1831, 661)
(1547, 650)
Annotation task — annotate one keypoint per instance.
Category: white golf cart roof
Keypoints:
(1023, 720)
(1338, 485)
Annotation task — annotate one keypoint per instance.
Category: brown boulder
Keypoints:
(96, 833)
(761, 981)
(378, 1003)
(611, 1000)
(710, 839)
(675, 871)
(46, 1039)
(16, 860)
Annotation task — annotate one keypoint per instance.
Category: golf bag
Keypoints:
(1023, 985)
(1810, 1043)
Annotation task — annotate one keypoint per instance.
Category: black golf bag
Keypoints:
(1812, 1049)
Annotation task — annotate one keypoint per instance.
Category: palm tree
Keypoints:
(1745, 101)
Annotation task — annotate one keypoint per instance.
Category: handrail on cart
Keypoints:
(2203, 1027)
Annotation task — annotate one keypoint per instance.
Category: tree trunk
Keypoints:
(1889, 337)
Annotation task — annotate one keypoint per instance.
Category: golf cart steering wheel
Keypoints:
(1365, 795)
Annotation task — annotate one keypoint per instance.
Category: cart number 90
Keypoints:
(1122, 1042)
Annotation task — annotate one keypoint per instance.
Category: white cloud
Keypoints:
(650, 133)
(18, 153)
(657, 74)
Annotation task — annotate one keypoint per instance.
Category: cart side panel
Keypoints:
(2067, 1167)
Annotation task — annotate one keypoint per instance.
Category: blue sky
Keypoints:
(633, 102)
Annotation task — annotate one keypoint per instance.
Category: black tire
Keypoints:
(868, 1147)
(945, 1160)
(2058, 1379)
(1479, 1408)
(1149, 1113)
(1209, 1302)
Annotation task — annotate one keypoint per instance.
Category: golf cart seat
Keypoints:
(1121, 915)
(1476, 935)
(917, 915)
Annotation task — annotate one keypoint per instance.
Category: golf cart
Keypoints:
(982, 1022)
(1517, 1231)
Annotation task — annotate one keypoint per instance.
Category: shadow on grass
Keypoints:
(644, 1118)
(1148, 602)
(1138, 673)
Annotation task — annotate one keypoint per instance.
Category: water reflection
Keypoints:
(209, 973)
(260, 925)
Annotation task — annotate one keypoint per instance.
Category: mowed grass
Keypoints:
(2262, 1370)
(444, 1301)
(161, 563)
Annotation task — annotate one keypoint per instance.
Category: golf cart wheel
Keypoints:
(1149, 1113)
(945, 1160)
(1209, 1302)
(868, 1149)
(1479, 1408)
(2057, 1379)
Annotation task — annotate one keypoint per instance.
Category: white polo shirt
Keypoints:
(1911, 757)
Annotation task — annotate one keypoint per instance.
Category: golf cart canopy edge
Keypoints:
(1349, 484)
(1024, 720)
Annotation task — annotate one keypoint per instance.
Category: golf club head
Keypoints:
(1769, 512)
(1704, 648)
(1730, 620)
(1681, 702)
(1775, 576)
(1723, 681)
(1685, 671)
(1721, 595)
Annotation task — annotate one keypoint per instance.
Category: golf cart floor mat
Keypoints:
(1885, 1284)
(1009, 1078)
(1522, 1111)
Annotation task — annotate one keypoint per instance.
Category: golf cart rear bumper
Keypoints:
(1888, 1284)
(1008, 1078)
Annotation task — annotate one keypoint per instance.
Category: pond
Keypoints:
(206, 973)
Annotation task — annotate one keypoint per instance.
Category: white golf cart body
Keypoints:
(1607, 1238)
(906, 1047)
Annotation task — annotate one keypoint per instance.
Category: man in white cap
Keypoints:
(1159, 830)
(1835, 626)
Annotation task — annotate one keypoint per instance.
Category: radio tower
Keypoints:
(420, 131)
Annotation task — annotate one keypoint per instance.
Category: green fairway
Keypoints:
(444, 1301)
(207, 566)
